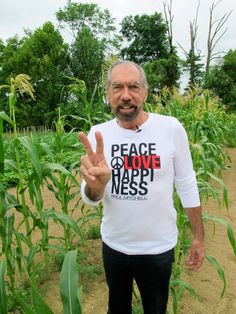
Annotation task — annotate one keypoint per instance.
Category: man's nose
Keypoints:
(126, 94)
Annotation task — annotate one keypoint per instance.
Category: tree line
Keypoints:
(67, 75)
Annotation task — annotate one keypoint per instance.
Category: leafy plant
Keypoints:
(71, 295)
(206, 123)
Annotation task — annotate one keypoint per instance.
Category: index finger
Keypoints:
(88, 147)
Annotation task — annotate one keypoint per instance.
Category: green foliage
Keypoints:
(87, 58)
(177, 287)
(44, 56)
(52, 160)
(2, 153)
(146, 38)
(70, 294)
(3, 294)
(91, 109)
(220, 271)
(193, 64)
(231, 132)
(162, 73)
(208, 127)
(222, 79)
(94, 232)
(147, 44)
(79, 16)
(35, 164)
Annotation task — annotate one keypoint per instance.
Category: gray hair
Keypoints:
(127, 62)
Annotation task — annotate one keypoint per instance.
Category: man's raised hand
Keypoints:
(94, 168)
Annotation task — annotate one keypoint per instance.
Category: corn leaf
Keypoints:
(2, 154)
(220, 271)
(5, 117)
(69, 285)
(174, 299)
(30, 258)
(33, 154)
(183, 285)
(25, 307)
(39, 305)
(230, 232)
(11, 164)
(3, 295)
(51, 167)
(9, 228)
(63, 219)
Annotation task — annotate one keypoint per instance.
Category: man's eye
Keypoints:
(116, 87)
(134, 87)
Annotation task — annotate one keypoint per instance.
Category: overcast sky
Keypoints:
(16, 15)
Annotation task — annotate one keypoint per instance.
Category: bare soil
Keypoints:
(206, 281)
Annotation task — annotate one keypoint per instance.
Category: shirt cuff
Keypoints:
(85, 197)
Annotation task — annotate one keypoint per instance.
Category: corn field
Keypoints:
(35, 162)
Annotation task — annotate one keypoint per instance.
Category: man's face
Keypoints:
(126, 93)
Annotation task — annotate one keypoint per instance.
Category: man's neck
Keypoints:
(135, 124)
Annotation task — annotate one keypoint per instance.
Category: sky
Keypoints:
(17, 15)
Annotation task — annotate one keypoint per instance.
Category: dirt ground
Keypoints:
(206, 281)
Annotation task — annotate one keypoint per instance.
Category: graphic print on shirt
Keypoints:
(133, 167)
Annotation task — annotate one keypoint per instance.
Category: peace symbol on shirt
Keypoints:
(117, 163)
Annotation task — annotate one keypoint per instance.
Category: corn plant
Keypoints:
(32, 171)
(3, 294)
(93, 110)
(71, 294)
(206, 124)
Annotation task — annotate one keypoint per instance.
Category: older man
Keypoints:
(132, 164)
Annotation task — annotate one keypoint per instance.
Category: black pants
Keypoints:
(151, 273)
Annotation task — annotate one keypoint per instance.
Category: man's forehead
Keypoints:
(125, 73)
(121, 68)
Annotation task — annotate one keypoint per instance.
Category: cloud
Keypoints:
(15, 16)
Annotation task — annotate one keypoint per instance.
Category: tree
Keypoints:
(94, 37)
(74, 17)
(44, 57)
(222, 79)
(169, 17)
(7, 61)
(215, 33)
(146, 38)
(149, 42)
(162, 73)
(193, 57)
(87, 57)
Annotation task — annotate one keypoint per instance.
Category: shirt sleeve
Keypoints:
(185, 178)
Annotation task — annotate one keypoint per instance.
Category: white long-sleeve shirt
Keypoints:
(139, 215)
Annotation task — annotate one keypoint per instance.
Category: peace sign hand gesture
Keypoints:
(94, 168)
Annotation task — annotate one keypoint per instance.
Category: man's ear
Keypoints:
(107, 98)
(145, 96)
